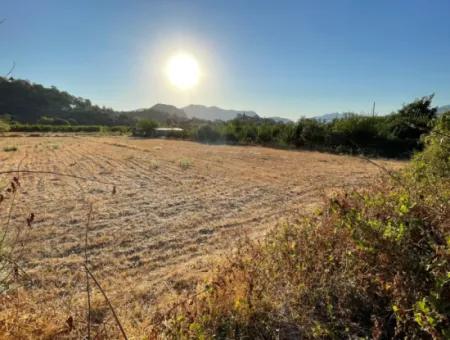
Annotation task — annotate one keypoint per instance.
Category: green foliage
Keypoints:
(373, 263)
(395, 135)
(310, 133)
(208, 134)
(413, 119)
(16, 127)
(145, 128)
(33, 103)
(435, 159)
(185, 163)
(4, 126)
(45, 120)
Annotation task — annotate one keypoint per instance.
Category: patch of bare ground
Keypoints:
(177, 206)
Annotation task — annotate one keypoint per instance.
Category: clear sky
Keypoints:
(285, 58)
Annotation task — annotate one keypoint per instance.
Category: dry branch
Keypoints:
(108, 302)
(86, 262)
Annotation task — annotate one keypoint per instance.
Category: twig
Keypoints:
(382, 168)
(367, 159)
(16, 266)
(13, 202)
(11, 69)
(86, 262)
(109, 303)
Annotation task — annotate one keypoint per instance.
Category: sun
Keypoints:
(183, 70)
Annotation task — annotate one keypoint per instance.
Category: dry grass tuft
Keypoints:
(10, 148)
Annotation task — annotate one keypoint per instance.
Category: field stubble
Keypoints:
(177, 207)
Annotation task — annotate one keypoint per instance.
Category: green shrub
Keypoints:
(394, 135)
(373, 263)
(54, 128)
(208, 134)
(17, 127)
(185, 163)
(145, 128)
(4, 126)
(435, 159)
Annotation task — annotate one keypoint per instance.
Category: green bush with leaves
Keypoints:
(4, 126)
(435, 159)
(373, 263)
(145, 128)
(208, 134)
(395, 135)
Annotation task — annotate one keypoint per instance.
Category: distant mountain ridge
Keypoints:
(328, 117)
(214, 112)
(159, 112)
(170, 109)
(28, 102)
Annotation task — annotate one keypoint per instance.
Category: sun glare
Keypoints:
(183, 71)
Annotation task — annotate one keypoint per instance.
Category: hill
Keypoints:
(169, 109)
(214, 112)
(280, 120)
(27, 102)
(328, 117)
(159, 112)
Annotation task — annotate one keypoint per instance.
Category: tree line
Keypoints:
(395, 135)
(29, 107)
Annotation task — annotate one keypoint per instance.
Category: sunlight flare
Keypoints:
(183, 71)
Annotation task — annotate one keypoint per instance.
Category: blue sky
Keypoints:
(286, 58)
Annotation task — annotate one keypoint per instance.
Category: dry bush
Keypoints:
(374, 263)
(21, 315)
(54, 304)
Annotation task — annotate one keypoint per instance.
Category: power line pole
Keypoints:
(373, 110)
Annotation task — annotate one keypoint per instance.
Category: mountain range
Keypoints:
(160, 112)
(214, 112)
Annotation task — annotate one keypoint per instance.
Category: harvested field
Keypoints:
(177, 206)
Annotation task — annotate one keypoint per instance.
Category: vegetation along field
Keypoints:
(175, 206)
(224, 170)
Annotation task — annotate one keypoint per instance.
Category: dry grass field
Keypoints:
(177, 205)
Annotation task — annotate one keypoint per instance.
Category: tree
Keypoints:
(413, 119)
(145, 128)
(206, 133)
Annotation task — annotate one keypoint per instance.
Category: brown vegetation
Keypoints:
(176, 206)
